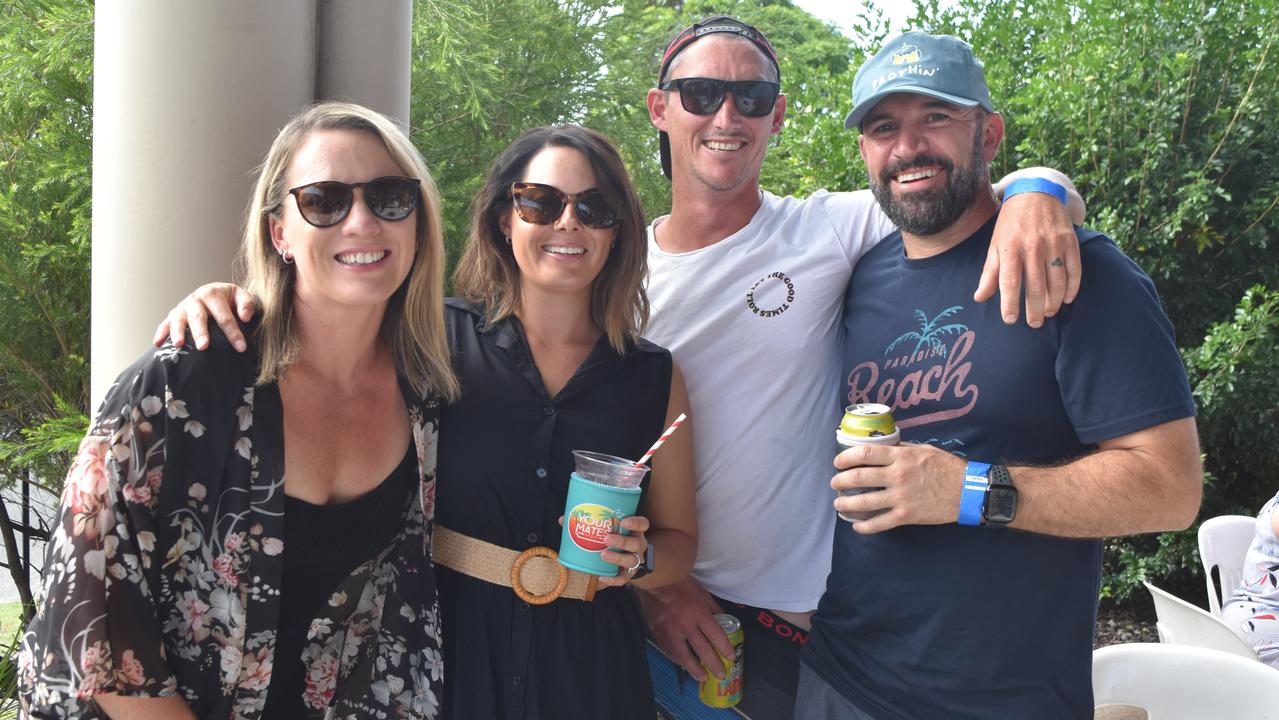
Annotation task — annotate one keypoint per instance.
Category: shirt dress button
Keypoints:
(549, 410)
(540, 473)
(532, 538)
(517, 681)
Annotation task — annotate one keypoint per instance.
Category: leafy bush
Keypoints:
(1235, 376)
(1235, 373)
(46, 118)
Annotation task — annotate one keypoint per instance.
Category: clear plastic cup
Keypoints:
(608, 469)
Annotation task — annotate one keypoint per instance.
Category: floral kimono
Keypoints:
(164, 566)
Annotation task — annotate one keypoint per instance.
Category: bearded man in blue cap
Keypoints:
(972, 591)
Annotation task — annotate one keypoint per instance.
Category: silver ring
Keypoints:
(639, 560)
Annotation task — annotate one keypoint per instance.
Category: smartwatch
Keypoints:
(647, 565)
(1001, 498)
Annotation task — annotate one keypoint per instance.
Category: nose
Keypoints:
(360, 220)
(727, 115)
(568, 219)
(910, 141)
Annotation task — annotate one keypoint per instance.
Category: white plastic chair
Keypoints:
(1180, 623)
(1181, 682)
(1223, 543)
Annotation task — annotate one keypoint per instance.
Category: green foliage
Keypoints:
(45, 144)
(1158, 559)
(46, 447)
(1235, 373)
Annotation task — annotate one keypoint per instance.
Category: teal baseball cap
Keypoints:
(939, 66)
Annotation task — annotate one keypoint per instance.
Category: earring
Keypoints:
(285, 257)
(508, 240)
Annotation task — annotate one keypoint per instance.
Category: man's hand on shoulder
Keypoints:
(680, 618)
(1035, 233)
(214, 299)
(1033, 238)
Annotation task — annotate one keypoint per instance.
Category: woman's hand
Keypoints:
(627, 550)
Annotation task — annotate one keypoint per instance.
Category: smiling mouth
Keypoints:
(724, 145)
(563, 249)
(361, 258)
(915, 175)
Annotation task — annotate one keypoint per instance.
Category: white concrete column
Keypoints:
(188, 95)
(365, 53)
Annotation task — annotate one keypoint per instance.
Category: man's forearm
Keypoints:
(1150, 481)
(676, 550)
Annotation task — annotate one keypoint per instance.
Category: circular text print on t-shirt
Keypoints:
(771, 295)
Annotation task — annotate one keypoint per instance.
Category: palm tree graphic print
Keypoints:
(928, 339)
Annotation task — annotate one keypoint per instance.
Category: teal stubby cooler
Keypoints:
(601, 492)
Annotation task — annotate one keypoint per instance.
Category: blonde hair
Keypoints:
(413, 324)
(487, 273)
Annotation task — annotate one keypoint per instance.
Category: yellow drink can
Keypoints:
(726, 693)
(867, 420)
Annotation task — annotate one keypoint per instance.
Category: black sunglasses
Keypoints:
(703, 96)
(543, 204)
(328, 202)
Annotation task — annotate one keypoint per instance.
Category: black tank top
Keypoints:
(322, 545)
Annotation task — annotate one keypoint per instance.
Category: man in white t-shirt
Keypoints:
(746, 290)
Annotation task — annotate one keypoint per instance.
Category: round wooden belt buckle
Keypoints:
(518, 586)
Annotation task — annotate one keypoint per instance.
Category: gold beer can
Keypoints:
(866, 424)
(867, 420)
(726, 693)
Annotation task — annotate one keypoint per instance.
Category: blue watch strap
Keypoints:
(1035, 184)
(976, 483)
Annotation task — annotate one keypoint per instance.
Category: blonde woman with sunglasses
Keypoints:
(246, 535)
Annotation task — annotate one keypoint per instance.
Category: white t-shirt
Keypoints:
(754, 323)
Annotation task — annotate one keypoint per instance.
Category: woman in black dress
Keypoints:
(545, 340)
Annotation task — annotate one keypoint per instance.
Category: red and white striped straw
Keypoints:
(678, 421)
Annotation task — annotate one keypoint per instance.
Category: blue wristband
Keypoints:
(1035, 184)
(976, 483)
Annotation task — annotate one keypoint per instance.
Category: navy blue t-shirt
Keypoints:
(968, 622)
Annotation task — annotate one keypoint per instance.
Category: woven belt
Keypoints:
(535, 575)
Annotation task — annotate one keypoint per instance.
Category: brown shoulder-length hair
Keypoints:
(413, 324)
(487, 273)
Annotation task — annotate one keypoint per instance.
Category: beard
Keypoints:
(931, 211)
